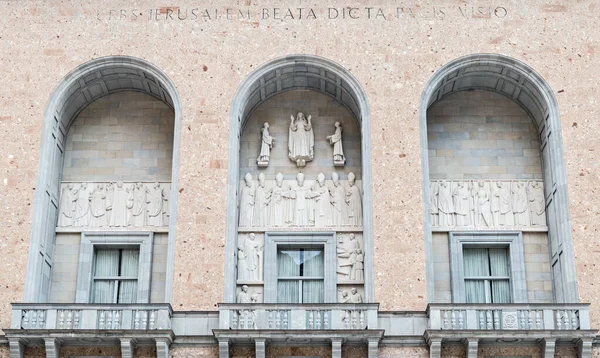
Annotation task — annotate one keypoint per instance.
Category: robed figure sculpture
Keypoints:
(301, 142)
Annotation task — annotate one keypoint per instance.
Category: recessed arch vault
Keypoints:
(518, 81)
(85, 84)
(297, 72)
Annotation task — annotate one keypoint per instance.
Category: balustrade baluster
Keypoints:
(446, 320)
(152, 320)
(136, 320)
(318, 320)
(25, 320)
(362, 319)
(33, 319)
(538, 319)
(453, 319)
(285, 323)
(61, 319)
(326, 320)
(310, 319)
(101, 320)
(76, 319)
(117, 320)
(278, 319)
(481, 320)
(530, 317)
(488, 319)
(109, 319)
(558, 319)
(521, 317)
(41, 319)
(69, 321)
(234, 318)
(270, 318)
(144, 319)
(566, 324)
(460, 320)
(574, 320)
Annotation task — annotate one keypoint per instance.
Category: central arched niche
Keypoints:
(273, 93)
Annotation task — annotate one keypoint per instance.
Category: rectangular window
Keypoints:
(115, 278)
(486, 275)
(300, 275)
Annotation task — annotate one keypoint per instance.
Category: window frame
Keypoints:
(512, 240)
(116, 279)
(301, 279)
(276, 240)
(90, 241)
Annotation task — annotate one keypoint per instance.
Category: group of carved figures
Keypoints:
(301, 142)
(487, 203)
(113, 204)
(350, 259)
(297, 203)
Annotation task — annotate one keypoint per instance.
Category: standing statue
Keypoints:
(262, 197)
(358, 267)
(249, 255)
(354, 201)
(137, 204)
(537, 204)
(82, 207)
(322, 209)
(460, 199)
(483, 212)
(339, 160)
(267, 142)
(520, 205)
(68, 201)
(98, 206)
(337, 196)
(120, 214)
(155, 200)
(446, 208)
(278, 208)
(247, 202)
(301, 140)
(434, 210)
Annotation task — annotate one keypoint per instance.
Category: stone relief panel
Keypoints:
(250, 263)
(300, 203)
(350, 258)
(114, 204)
(249, 294)
(350, 294)
(488, 204)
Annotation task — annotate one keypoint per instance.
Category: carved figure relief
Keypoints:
(247, 202)
(350, 259)
(301, 140)
(262, 198)
(300, 203)
(119, 213)
(266, 143)
(322, 206)
(250, 253)
(487, 203)
(68, 202)
(354, 201)
(117, 204)
(155, 198)
(353, 297)
(337, 197)
(339, 160)
(98, 207)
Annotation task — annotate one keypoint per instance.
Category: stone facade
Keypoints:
(472, 135)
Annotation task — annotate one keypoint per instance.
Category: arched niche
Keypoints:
(517, 81)
(82, 86)
(296, 72)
